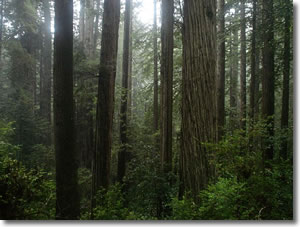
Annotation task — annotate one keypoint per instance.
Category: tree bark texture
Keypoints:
(67, 197)
(122, 155)
(221, 69)
(199, 123)
(268, 76)
(167, 45)
(106, 88)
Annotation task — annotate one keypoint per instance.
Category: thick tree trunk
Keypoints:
(155, 98)
(67, 197)
(268, 77)
(122, 155)
(199, 123)
(243, 68)
(106, 90)
(221, 70)
(166, 84)
(286, 78)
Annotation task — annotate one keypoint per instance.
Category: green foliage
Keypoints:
(224, 200)
(111, 205)
(184, 209)
(25, 194)
(42, 157)
(6, 148)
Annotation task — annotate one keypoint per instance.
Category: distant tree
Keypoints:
(155, 74)
(221, 69)
(46, 73)
(243, 72)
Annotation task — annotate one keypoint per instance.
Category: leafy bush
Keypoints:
(6, 148)
(224, 200)
(111, 205)
(184, 209)
(25, 194)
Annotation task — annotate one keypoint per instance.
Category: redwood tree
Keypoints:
(105, 98)
(221, 69)
(122, 156)
(268, 76)
(67, 197)
(199, 123)
(243, 66)
(286, 76)
(167, 20)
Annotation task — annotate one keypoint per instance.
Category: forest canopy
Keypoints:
(146, 110)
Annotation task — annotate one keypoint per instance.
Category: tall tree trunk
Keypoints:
(268, 77)
(1, 28)
(82, 21)
(243, 67)
(155, 98)
(122, 156)
(233, 79)
(45, 88)
(253, 81)
(167, 45)
(221, 70)
(286, 77)
(130, 69)
(67, 197)
(88, 33)
(199, 123)
(96, 28)
(106, 90)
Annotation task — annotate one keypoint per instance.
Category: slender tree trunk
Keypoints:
(82, 21)
(243, 67)
(221, 70)
(1, 28)
(88, 33)
(96, 28)
(166, 83)
(130, 70)
(268, 77)
(199, 123)
(106, 88)
(233, 79)
(253, 63)
(155, 98)
(122, 156)
(67, 197)
(45, 88)
(286, 77)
